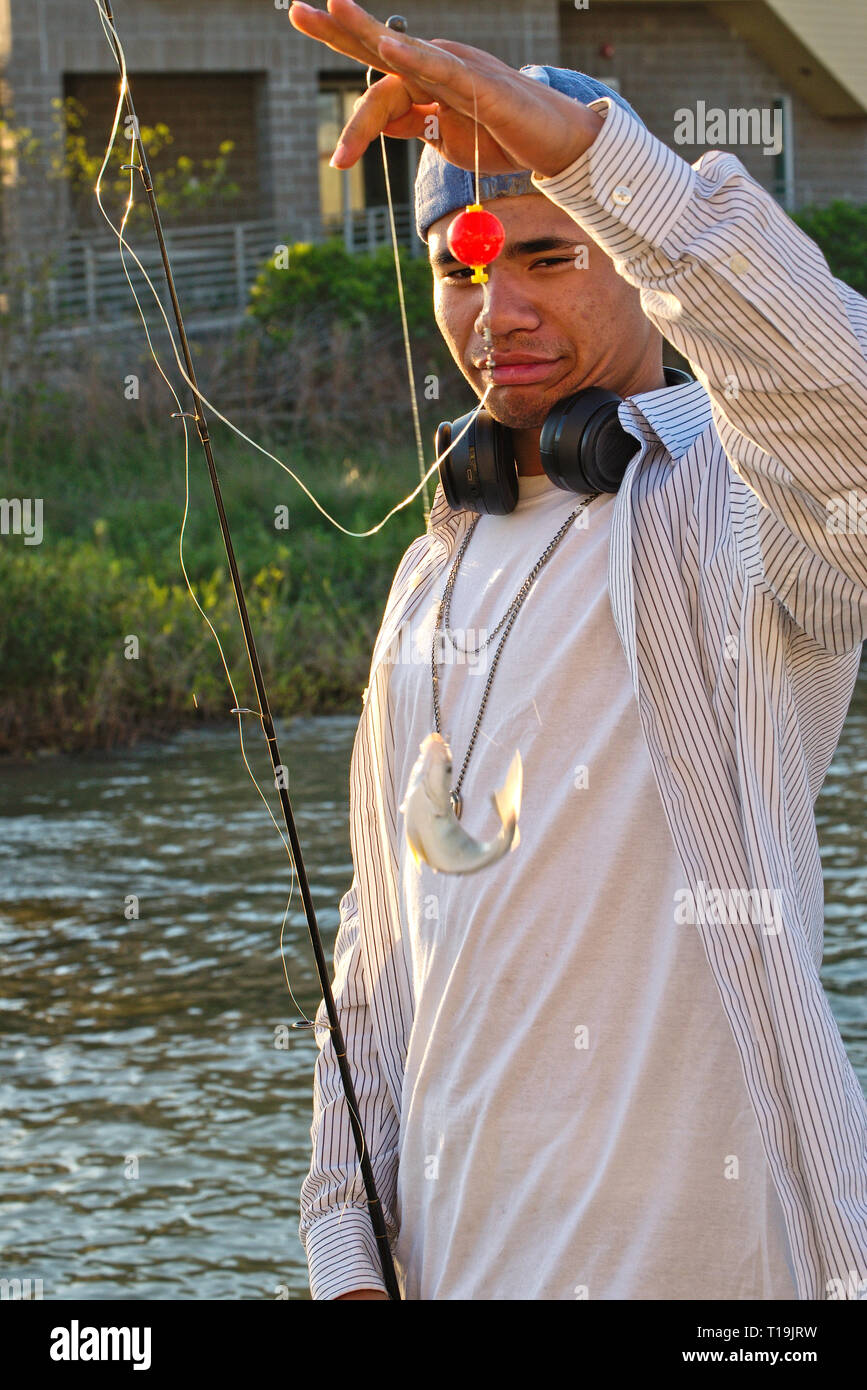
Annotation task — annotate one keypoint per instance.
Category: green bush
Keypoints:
(108, 569)
(325, 282)
(72, 679)
(840, 232)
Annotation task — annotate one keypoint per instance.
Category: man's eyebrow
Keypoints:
(514, 249)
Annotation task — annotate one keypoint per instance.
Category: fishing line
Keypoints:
(110, 31)
(410, 371)
(361, 1145)
(360, 535)
(183, 415)
(123, 244)
(485, 315)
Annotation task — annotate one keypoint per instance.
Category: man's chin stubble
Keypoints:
(506, 407)
(516, 418)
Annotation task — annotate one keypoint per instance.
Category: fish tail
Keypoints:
(507, 799)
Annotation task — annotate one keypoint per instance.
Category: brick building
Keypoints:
(235, 69)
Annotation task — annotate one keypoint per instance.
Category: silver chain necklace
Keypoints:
(444, 613)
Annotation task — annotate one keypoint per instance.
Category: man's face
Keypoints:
(556, 328)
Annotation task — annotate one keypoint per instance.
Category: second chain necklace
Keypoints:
(441, 624)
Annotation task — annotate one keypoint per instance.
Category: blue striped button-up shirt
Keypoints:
(738, 584)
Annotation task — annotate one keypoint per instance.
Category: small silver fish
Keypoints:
(433, 831)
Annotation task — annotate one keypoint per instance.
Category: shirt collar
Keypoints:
(445, 523)
(676, 415)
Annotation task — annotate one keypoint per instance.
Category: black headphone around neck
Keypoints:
(583, 445)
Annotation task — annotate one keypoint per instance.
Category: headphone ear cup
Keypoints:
(479, 474)
(584, 447)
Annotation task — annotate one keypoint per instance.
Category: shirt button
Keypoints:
(622, 194)
(738, 264)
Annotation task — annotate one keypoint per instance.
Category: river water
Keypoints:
(153, 1134)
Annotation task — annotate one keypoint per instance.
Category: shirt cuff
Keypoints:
(627, 189)
(342, 1254)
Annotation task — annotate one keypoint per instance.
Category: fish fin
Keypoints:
(508, 798)
(416, 857)
(516, 834)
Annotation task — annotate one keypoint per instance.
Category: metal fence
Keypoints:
(369, 228)
(213, 268)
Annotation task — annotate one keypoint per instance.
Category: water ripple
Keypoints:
(154, 1135)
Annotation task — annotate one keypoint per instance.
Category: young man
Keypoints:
(587, 1071)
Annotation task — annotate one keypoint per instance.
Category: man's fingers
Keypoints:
(384, 103)
(316, 24)
(415, 124)
(358, 22)
(471, 85)
(354, 35)
(477, 57)
(346, 28)
(466, 86)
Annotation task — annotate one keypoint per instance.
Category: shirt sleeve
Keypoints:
(776, 340)
(335, 1227)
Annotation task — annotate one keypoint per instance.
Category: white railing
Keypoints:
(369, 227)
(213, 268)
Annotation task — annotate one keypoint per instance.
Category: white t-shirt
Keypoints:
(574, 1121)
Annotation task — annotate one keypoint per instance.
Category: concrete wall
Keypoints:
(53, 38)
(201, 112)
(668, 56)
(665, 55)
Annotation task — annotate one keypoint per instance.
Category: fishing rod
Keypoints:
(373, 1203)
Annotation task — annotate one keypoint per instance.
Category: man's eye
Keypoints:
(465, 272)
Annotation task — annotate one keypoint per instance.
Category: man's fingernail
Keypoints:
(338, 154)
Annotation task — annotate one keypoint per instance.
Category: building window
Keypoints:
(784, 162)
(339, 189)
(353, 202)
(201, 110)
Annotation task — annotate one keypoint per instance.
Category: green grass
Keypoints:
(108, 569)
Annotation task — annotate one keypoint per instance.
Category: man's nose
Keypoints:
(506, 308)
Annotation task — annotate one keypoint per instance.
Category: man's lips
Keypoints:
(518, 369)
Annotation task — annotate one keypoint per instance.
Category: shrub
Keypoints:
(840, 232)
(327, 284)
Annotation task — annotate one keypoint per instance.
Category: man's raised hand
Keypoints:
(433, 91)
